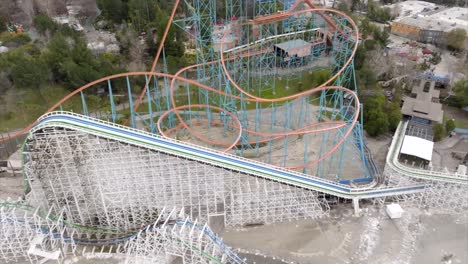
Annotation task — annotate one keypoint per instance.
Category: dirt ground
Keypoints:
(418, 237)
(460, 116)
(449, 153)
(10, 186)
(379, 148)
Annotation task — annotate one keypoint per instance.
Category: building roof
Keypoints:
(293, 44)
(409, 8)
(422, 106)
(418, 147)
(296, 47)
(438, 20)
(425, 96)
(423, 109)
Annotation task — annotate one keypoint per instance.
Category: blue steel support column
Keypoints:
(150, 109)
(130, 100)
(287, 127)
(257, 122)
(361, 139)
(189, 101)
(340, 160)
(156, 94)
(83, 104)
(272, 124)
(169, 105)
(111, 99)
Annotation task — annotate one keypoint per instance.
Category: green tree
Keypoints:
(174, 43)
(375, 119)
(367, 77)
(355, 5)
(449, 125)
(461, 91)
(377, 122)
(436, 58)
(342, 6)
(366, 28)
(57, 51)
(383, 38)
(378, 14)
(439, 132)
(360, 57)
(456, 39)
(141, 13)
(29, 72)
(3, 23)
(114, 10)
(73, 64)
(43, 23)
(394, 115)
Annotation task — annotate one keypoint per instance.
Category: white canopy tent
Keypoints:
(417, 147)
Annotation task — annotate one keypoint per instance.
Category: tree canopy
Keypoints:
(115, 11)
(378, 14)
(439, 132)
(65, 60)
(380, 116)
(456, 39)
(461, 90)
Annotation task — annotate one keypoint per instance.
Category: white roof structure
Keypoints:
(417, 147)
(428, 16)
(410, 8)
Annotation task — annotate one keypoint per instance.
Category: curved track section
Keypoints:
(47, 236)
(395, 165)
(256, 134)
(205, 155)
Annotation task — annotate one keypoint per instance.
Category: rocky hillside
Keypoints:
(23, 11)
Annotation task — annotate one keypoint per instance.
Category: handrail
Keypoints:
(295, 178)
(392, 160)
(55, 113)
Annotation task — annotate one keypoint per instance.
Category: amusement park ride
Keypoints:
(236, 136)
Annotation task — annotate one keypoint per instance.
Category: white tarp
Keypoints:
(417, 147)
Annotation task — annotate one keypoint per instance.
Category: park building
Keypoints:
(293, 51)
(422, 109)
(417, 147)
(423, 103)
(431, 25)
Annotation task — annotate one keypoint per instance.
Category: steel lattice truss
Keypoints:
(105, 183)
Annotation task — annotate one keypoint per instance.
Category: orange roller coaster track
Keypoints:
(307, 129)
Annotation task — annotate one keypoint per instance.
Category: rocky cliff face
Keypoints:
(23, 11)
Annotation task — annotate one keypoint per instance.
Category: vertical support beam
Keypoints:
(258, 116)
(83, 104)
(130, 101)
(306, 136)
(287, 119)
(356, 207)
(111, 99)
(361, 141)
(150, 109)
